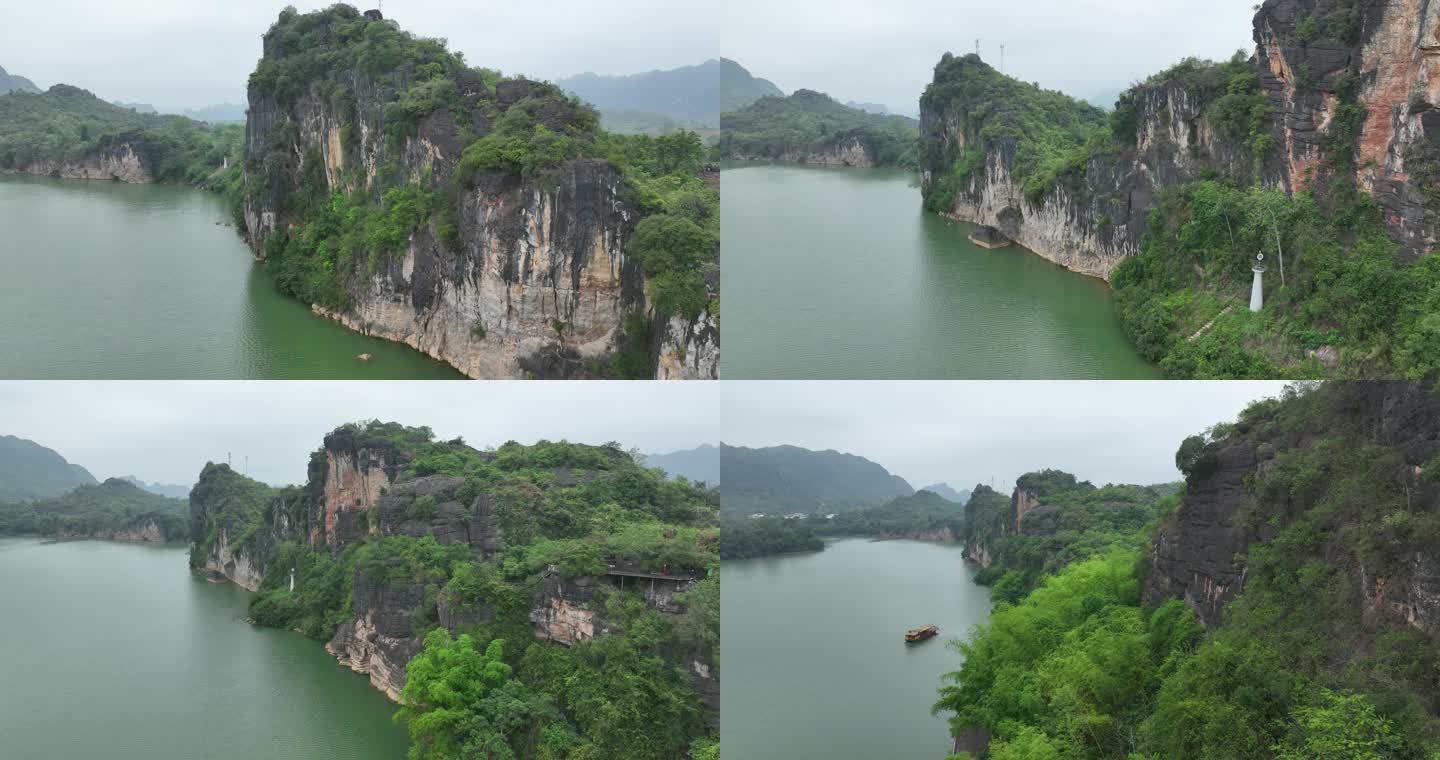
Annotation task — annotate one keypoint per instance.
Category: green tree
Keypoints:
(1339, 727)
(444, 687)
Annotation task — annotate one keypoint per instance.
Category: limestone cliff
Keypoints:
(854, 148)
(119, 159)
(364, 488)
(1311, 57)
(1360, 470)
(520, 275)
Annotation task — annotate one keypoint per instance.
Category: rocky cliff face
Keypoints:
(533, 282)
(850, 149)
(243, 565)
(358, 489)
(1392, 45)
(142, 530)
(1200, 553)
(120, 159)
(1308, 54)
(690, 349)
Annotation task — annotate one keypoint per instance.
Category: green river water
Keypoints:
(833, 273)
(104, 280)
(813, 654)
(118, 651)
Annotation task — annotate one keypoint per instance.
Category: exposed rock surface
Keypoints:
(381, 639)
(1199, 553)
(851, 149)
(142, 530)
(1093, 220)
(540, 285)
(358, 488)
(121, 159)
(690, 349)
(244, 566)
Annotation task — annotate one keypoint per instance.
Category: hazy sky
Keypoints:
(885, 52)
(177, 54)
(963, 433)
(166, 431)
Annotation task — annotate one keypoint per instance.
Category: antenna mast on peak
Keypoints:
(977, 47)
(1002, 58)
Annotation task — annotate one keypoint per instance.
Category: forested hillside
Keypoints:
(12, 83)
(115, 509)
(67, 130)
(487, 589)
(689, 94)
(382, 169)
(1284, 607)
(31, 471)
(739, 88)
(1317, 151)
(811, 127)
(784, 479)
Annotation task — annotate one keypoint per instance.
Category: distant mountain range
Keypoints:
(949, 494)
(689, 95)
(9, 82)
(871, 107)
(786, 479)
(701, 464)
(116, 509)
(171, 490)
(217, 114)
(30, 471)
(738, 88)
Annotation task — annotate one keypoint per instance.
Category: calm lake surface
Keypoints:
(814, 657)
(117, 651)
(839, 273)
(114, 281)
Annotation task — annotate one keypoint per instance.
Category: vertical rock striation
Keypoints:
(1200, 553)
(530, 278)
(1310, 58)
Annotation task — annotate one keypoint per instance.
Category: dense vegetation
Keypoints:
(1341, 297)
(739, 88)
(786, 479)
(491, 689)
(920, 515)
(1051, 135)
(1336, 282)
(1075, 520)
(744, 537)
(31, 471)
(65, 124)
(1299, 668)
(342, 234)
(1343, 289)
(115, 506)
(810, 122)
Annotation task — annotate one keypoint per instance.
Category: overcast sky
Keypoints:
(177, 54)
(166, 431)
(963, 433)
(885, 52)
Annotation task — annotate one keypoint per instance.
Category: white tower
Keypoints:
(1257, 294)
